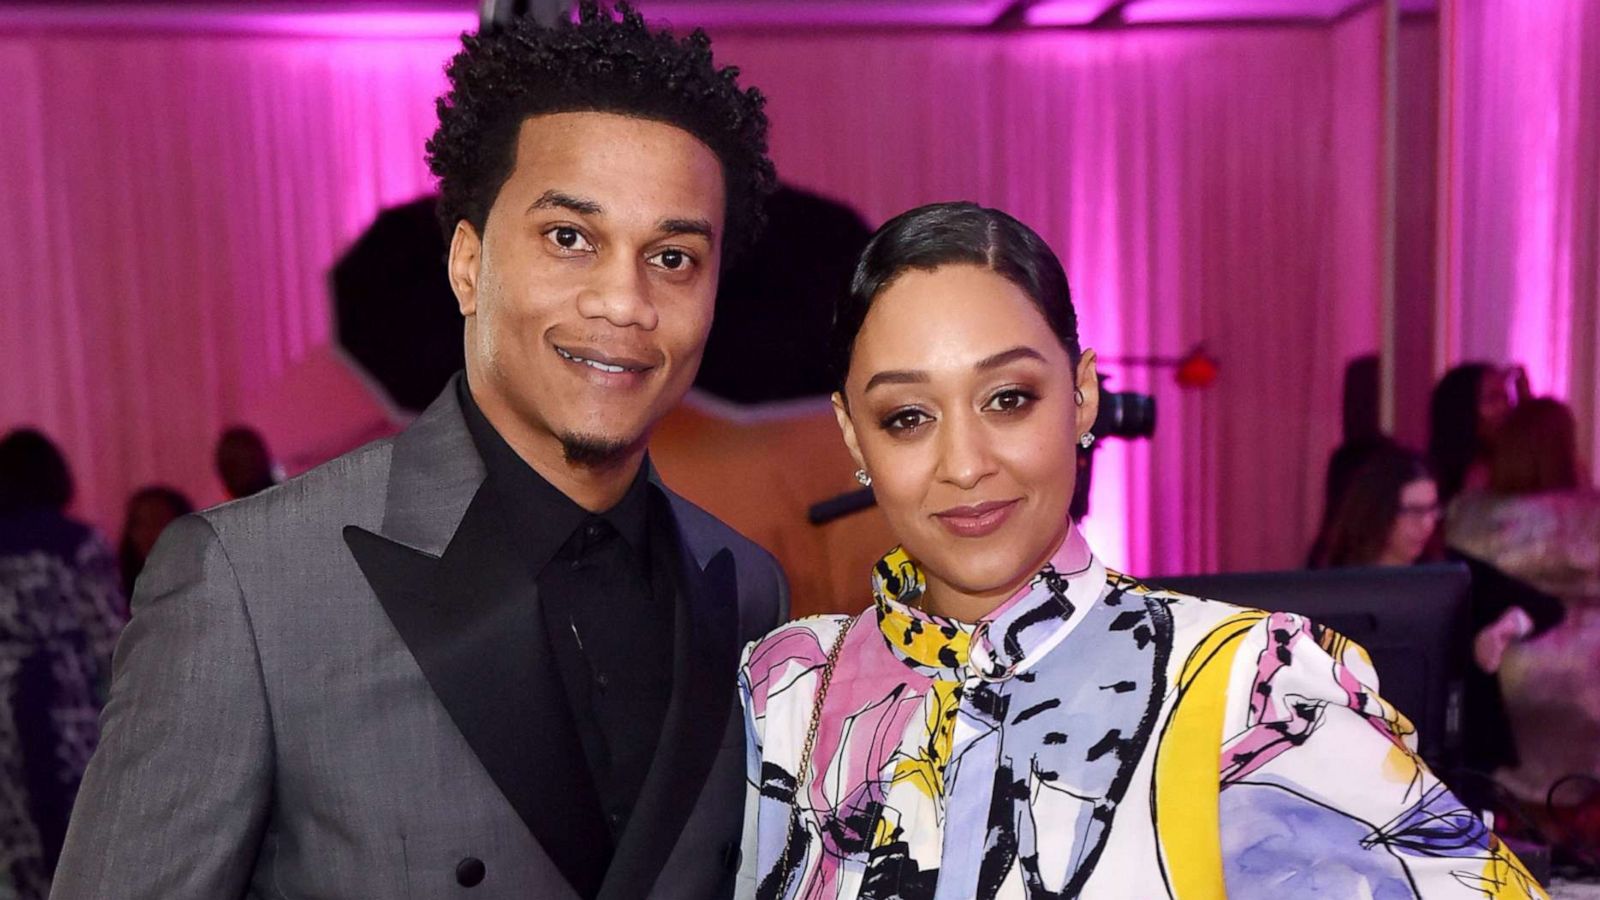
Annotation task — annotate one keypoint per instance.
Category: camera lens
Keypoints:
(1126, 415)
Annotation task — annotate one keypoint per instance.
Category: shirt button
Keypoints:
(592, 530)
(470, 872)
(602, 680)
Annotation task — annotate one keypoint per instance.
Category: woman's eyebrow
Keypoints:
(1012, 355)
(913, 376)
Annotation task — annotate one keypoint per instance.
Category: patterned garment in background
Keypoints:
(60, 613)
(1086, 740)
(1551, 540)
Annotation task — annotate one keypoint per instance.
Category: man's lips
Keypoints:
(600, 360)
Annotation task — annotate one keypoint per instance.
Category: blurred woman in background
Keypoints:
(1466, 411)
(1538, 518)
(1386, 516)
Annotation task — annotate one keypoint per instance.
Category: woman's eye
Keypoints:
(672, 260)
(569, 239)
(1010, 400)
(905, 420)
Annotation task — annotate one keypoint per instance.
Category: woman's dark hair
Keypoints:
(1343, 465)
(1453, 427)
(1359, 528)
(33, 473)
(128, 557)
(943, 234)
(1537, 450)
(596, 64)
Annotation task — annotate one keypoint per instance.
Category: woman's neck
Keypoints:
(946, 600)
(949, 602)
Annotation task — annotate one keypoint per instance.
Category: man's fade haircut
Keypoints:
(598, 63)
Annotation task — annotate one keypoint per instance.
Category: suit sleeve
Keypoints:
(1323, 793)
(782, 579)
(745, 883)
(175, 798)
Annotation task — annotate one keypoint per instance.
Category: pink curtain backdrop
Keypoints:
(1520, 200)
(1199, 184)
(174, 202)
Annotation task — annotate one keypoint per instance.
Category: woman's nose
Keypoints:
(964, 457)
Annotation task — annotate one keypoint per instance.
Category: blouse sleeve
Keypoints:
(1322, 792)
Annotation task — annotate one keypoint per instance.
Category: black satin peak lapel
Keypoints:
(705, 689)
(471, 620)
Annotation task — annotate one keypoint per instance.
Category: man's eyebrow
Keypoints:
(1005, 356)
(559, 200)
(688, 226)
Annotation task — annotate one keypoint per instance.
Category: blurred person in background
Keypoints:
(1538, 522)
(150, 509)
(1538, 518)
(1467, 409)
(244, 463)
(60, 611)
(1386, 516)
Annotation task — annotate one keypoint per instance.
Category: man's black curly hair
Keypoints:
(599, 63)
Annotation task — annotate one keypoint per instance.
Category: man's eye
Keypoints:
(673, 260)
(569, 239)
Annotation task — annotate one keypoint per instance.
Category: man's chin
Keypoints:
(591, 451)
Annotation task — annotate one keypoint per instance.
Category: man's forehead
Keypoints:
(608, 164)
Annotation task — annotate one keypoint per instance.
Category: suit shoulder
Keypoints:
(347, 488)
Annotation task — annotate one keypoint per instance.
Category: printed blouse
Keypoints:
(1095, 738)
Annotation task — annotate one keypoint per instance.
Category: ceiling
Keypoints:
(450, 16)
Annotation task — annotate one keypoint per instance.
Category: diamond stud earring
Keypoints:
(864, 478)
(1087, 440)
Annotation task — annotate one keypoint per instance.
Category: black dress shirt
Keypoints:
(607, 595)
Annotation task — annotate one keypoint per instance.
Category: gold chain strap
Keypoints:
(802, 774)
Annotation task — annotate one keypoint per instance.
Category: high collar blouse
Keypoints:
(1092, 737)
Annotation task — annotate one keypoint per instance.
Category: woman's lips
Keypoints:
(976, 521)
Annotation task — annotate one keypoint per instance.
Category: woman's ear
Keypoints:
(1088, 387)
(841, 412)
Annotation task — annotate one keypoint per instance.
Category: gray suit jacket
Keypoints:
(328, 690)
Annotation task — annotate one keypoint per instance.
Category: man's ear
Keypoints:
(466, 250)
(841, 412)
(1088, 385)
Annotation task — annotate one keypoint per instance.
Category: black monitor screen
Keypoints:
(1413, 621)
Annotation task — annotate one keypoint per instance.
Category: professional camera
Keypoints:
(1125, 415)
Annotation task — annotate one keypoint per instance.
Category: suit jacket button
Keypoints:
(470, 871)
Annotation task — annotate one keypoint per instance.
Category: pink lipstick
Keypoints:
(978, 520)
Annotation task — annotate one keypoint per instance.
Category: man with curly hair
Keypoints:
(494, 652)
